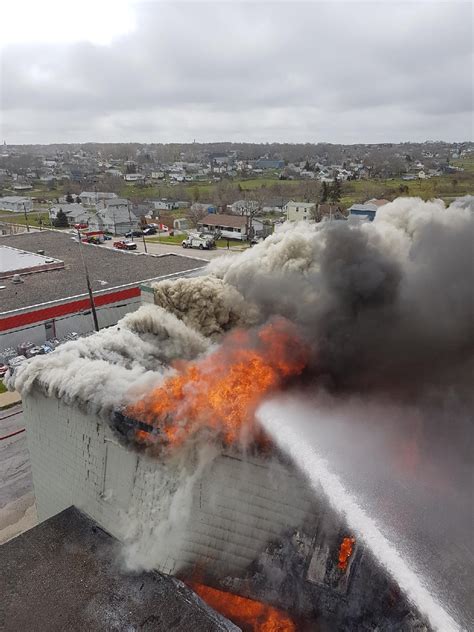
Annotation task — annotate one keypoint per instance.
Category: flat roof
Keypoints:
(14, 261)
(65, 574)
(108, 268)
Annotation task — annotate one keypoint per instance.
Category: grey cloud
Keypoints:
(289, 71)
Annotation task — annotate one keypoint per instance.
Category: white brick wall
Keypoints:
(237, 506)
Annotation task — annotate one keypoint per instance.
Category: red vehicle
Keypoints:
(125, 244)
(93, 237)
(80, 226)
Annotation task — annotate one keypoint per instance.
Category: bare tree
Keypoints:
(196, 213)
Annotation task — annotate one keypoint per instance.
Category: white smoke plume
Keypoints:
(206, 304)
(156, 527)
(102, 371)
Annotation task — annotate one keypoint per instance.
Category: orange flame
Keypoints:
(256, 616)
(222, 391)
(345, 552)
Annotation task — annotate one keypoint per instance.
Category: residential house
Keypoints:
(296, 211)
(364, 212)
(115, 205)
(16, 203)
(91, 198)
(378, 202)
(274, 206)
(229, 226)
(114, 219)
(134, 177)
(75, 213)
(141, 211)
(164, 204)
(265, 163)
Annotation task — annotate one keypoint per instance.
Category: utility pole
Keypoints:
(130, 219)
(88, 282)
(144, 243)
(26, 218)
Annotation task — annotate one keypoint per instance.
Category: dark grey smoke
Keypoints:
(388, 306)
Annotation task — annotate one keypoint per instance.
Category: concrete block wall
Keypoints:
(236, 506)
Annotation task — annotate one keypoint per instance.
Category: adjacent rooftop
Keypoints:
(66, 574)
(108, 268)
(14, 261)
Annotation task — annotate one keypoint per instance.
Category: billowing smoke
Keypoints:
(388, 304)
(206, 304)
(102, 372)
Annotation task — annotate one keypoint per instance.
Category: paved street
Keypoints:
(16, 486)
(163, 249)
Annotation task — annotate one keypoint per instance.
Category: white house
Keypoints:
(16, 204)
(164, 205)
(75, 213)
(116, 205)
(134, 177)
(114, 219)
(91, 198)
(229, 226)
(296, 211)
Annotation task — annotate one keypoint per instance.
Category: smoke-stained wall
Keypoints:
(247, 524)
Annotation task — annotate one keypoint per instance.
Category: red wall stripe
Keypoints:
(55, 311)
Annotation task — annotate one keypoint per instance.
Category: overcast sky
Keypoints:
(342, 72)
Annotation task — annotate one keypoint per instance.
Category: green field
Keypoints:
(34, 218)
(3, 388)
(467, 163)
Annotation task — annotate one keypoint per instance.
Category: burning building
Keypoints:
(152, 427)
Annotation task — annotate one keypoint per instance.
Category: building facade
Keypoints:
(16, 203)
(296, 211)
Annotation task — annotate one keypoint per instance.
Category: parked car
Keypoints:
(80, 226)
(34, 351)
(107, 237)
(134, 233)
(24, 347)
(161, 227)
(199, 241)
(125, 244)
(149, 230)
(15, 362)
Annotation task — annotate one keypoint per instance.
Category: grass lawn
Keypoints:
(34, 218)
(445, 187)
(3, 388)
(467, 163)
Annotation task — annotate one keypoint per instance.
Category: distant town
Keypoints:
(248, 188)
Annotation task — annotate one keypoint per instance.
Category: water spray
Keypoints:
(276, 421)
